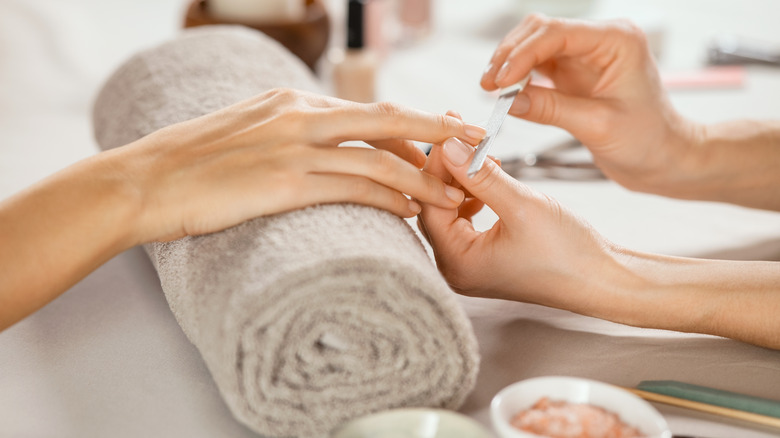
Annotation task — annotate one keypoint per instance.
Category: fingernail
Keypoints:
(487, 69)
(456, 152)
(414, 207)
(420, 158)
(503, 72)
(475, 132)
(454, 194)
(521, 105)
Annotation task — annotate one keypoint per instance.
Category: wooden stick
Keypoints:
(704, 407)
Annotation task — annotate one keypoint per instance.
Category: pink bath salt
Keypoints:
(561, 419)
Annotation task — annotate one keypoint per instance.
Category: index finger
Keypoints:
(545, 38)
(385, 120)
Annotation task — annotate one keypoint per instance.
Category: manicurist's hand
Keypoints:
(536, 252)
(269, 154)
(539, 252)
(607, 93)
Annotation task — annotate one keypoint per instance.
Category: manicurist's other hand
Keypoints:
(607, 93)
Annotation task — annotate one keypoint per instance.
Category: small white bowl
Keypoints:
(413, 423)
(522, 395)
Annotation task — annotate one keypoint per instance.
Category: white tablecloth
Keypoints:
(108, 359)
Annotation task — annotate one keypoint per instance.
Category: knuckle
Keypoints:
(486, 178)
(285, 98)
(388, 108)
(383, 160)
(448, 123)
(627, 30)
(360, 189)
(294, 120)
(548, 109)
(535, 19)
(432, 184)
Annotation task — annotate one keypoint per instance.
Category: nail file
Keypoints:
(500, 111)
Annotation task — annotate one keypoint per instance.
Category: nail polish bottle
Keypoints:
(354, 76)
(415, 17)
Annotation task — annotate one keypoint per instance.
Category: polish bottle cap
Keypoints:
(355, 28)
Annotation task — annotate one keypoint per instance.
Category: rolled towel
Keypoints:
(305, 319)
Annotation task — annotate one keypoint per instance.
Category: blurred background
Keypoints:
(55, 55)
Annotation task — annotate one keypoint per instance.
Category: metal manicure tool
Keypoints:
(500, 111)
(568, 160)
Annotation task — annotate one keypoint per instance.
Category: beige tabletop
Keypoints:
(108, 359)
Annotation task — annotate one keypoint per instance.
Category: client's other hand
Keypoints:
(277, 152)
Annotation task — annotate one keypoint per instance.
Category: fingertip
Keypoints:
(420, 158)
(474, 132)
(503, 74)
(453, 113)
(488, 77)
(414, 208)
(456, 195)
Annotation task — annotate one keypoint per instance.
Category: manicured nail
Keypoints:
(521, 105)
(414, 207)
(475, 132)
(420, 158)
(456, 195)
(503, 72)
(488, 69)
(457, 152)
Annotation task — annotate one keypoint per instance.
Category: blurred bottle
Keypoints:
(354, 75)
(415, 20)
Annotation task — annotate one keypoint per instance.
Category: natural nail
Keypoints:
(456, 195)
(475, 132)
(414, 207)
(503, 72)
(487, 69)
(456, 152)
(420, 158)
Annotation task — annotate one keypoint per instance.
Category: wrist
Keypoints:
(117, 176)
(680, 160)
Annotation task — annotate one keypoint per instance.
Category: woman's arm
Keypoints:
(57, 231)
(735, 299)
(736, 162)
(269, 154)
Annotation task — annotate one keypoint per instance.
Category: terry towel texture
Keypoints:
(305, 319)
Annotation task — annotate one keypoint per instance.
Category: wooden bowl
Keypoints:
(307, 39)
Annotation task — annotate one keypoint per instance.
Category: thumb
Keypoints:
(549, 106)
(491, 185)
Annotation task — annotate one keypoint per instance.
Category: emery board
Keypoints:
(505, 99)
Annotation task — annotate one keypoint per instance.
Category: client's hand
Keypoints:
(277, 152)
(266, 155)
(607, 94)
(536, 252)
